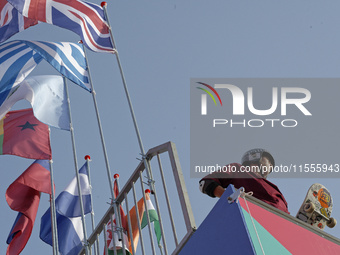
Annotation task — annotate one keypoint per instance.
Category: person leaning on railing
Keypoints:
(257, 164)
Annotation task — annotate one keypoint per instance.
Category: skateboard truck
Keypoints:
(317, 207)
(234, 197)
(310, 208)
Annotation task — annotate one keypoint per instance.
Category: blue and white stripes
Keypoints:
(69, 225)
(67, 202)
(67, 58)
(19, 58)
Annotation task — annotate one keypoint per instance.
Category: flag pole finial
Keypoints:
(116, 176)
(103, 4)
(87, 157)
(147, 191)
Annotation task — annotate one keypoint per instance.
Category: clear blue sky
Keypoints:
(162, 44)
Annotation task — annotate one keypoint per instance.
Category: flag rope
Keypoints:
(251, 217)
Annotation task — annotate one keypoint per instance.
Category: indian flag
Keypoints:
(143, 219)
(153, 217)
(134, 223)
(134, 226)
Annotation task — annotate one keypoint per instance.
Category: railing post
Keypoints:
(182, 198)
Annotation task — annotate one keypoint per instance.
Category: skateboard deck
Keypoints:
(317, 207)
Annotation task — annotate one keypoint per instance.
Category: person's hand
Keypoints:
(219, 190)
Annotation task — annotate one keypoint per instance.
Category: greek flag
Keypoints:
(69, 225)
(67, 58)
(17, 60)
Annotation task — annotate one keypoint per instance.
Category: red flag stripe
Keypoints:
(82, 7)
(89, 36)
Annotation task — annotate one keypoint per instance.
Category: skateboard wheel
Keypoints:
(309, 207)
(331, 223)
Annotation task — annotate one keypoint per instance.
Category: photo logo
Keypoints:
(204, 97)
(280, 100)
(291, 117)
(239, 99)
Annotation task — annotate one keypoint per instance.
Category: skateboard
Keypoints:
(317, 207)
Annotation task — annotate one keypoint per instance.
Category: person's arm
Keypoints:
(219, 190)
(211, 188)
(213, 184)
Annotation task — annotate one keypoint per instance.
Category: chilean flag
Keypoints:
(23, 196)
(11, 21)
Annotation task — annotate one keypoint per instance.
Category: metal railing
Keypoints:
(175, 231)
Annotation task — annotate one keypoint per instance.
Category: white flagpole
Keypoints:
(118, 225)
(99, 124)
(76, 169)
(119, 219)
(96, 244)
(53, 214)
(146, 163)
(115, 207)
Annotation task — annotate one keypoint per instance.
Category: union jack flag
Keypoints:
(84, 18)
(11, 21)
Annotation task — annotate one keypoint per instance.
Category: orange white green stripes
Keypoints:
(153, 218)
